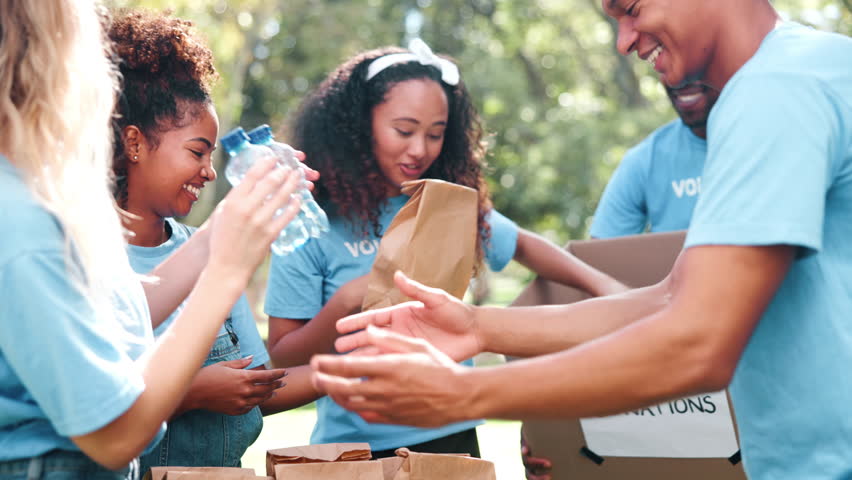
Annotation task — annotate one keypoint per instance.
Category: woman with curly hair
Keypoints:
(165, 134)
(83, 387)
(384, 117)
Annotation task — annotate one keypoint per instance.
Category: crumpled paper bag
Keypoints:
(327, 452)
(170, 473)
(408, 465)
(432, 239)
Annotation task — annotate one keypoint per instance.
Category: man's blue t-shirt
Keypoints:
(655, 186)
(145, 259)
(303, 281)
(65, 370)
(779, 171)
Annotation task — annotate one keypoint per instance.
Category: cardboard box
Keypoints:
(638, 260)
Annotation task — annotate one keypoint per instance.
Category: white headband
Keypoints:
(420, 52)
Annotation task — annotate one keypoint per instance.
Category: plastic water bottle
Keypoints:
(243, 155)
(313, 216)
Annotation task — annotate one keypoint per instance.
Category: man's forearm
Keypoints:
(531, 331)
(621, 371)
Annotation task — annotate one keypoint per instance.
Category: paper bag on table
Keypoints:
(178, 475)
(427, 466)
(364, 470)
(432, 239)
(160, 473)
(327, 452)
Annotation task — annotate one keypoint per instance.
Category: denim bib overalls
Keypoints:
(201, 438)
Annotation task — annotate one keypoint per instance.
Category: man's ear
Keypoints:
(133, 140)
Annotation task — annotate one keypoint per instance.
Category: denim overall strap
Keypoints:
(229, 327)
(199, 437)
(35, 469)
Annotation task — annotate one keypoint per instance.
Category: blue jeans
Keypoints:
(201, 438)
(62, 465)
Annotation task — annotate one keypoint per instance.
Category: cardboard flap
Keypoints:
(636, 260)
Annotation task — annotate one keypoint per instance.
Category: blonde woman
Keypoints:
(83, 390)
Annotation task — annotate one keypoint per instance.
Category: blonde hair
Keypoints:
(57, 93)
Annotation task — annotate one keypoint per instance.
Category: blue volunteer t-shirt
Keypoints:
(145, 259)
(65, 370)
(302, 282)
(655, 186)
(779, 171)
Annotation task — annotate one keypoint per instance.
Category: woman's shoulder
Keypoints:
(27, 225)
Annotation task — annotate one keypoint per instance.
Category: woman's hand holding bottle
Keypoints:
(244, 223)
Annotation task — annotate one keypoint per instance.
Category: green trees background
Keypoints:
(560, 104)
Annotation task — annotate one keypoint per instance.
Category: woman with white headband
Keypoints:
(384, 117)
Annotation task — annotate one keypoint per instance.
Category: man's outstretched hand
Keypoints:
(433, 315)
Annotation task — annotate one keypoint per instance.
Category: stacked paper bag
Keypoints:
(422, 466)
(210, 476)
(202, 473)
(364, 470)
(321, 453)
(352, 461)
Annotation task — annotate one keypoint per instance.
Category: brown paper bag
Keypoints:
(432, 239)
(159, 473)
(369, 470)
(428, 466)
(211, 476)
(326, 452)
(391, 465)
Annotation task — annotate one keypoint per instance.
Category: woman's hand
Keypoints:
(311, 175)
(227, 387)
(244, 223)
(536, 468)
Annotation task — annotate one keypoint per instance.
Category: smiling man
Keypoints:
(760, 298)
(656, 185)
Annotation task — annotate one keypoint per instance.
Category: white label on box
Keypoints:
(692, 427)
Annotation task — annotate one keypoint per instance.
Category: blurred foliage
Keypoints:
(560, 105)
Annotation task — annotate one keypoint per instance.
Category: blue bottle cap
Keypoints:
(233, 141)
(260, 135)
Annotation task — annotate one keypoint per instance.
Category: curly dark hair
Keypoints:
(333, 126)
(167, 72)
